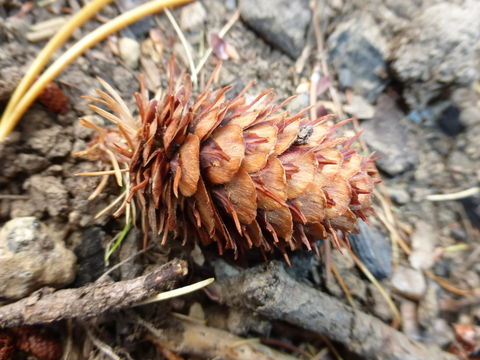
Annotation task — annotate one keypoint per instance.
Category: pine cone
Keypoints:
(240, 174)
(38, 341)
(6, 345)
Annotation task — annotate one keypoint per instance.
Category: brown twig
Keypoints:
(189, 337)
(265, 290)
(90, 300)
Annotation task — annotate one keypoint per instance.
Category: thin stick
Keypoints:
(104, 348)
(42, 58)
(92, 300)
(185, 44)
(121, 21)
(222, 33)
(116, 266)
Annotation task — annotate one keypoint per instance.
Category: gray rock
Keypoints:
(129, 51)
(282, 23)
(409, 282)
(90, 256)
(428, 307)
(53, 142)
(358, 51)
(398, 195)
(192, 16)
(424, 241)
(379, 306)
(31, 258)
(438, 49)
(48, 193)
(242, 322)
(386, 134)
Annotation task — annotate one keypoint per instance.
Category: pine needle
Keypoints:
(100, 173)
(396, 313)
(177, 292)
(222, 33)
(43, 57)
(185, 45)
(11, 119)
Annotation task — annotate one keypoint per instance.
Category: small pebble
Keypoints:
(398, 195)
(424, 240)
(129, 51)
(409, 282)
(192, 16)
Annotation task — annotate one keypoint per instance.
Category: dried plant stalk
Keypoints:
(236, 173)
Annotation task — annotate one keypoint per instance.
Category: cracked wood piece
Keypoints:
(271, 292)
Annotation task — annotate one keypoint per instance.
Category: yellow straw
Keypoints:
(55, 42)
(8, 124)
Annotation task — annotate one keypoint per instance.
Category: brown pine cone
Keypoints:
(240, 174)
(6, 345)
(38, 342)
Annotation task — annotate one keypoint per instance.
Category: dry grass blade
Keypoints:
(342, 284)
(101, 185)
(43, 57)
(396, 313)
(100, 173)
(116, 167)
(121, 21)
(454, 196)
(100, 345)
(221, 33)
(111, 205)
(185, 44)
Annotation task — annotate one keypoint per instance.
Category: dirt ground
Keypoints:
(410, 75)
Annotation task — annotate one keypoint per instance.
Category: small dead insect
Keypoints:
(236, 173)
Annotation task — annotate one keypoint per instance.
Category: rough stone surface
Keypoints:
(374, 249)
(358, 51)
(30, 258)
(439, 48)
(48, 194)
(387, 135)
(129, 51)
(282, 23)
(424, 240)
(409, 282)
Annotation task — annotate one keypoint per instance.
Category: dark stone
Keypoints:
(374, 249)
(282, 23)
(357, 51)
(386, 134)
(472, 207)
(139, 28)
(90, 253)
(449, 121)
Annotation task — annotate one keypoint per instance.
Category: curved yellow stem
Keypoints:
(55, 42)
(121, 21)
